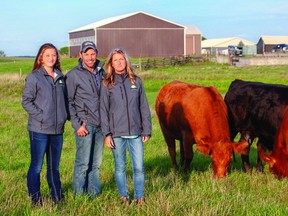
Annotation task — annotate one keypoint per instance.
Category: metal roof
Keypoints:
(225, 42)
(192, 30)
(274, 39)
(114, 19)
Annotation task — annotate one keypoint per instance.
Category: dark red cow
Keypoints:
(256, 109)
(196, 114)
(278, 158)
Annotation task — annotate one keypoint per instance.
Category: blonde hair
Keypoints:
(110, 72)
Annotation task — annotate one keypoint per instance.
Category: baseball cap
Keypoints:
(86, 45)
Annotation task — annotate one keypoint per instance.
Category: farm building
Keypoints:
(220, 45)
(266, 43)
(140, 34)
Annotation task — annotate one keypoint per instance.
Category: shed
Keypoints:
(193, 40)
(140, 34)
(220, 45)
(266, 43)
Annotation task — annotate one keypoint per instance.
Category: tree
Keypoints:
(2, 53)
(241, 44)
(64, 51)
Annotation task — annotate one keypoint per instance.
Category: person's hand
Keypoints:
(108, 142)
(82, 131)
(145, 138)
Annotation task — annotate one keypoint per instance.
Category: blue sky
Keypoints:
(27, 24)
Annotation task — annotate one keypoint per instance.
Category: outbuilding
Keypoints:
(140, 34)
(266, 43)
(220, 45)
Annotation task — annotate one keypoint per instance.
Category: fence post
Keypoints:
(140, 64)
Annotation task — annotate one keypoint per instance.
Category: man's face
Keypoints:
(89, 58)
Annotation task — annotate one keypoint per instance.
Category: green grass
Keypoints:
(24, 65)
(167, 192)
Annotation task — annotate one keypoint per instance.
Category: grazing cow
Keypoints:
(278, 158)
(196, 114)
(255, 110)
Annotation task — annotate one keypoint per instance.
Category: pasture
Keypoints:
(167, 192)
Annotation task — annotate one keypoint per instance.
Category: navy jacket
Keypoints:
(44, 99)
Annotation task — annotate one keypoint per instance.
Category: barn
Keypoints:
(220, 45)
(266, 43)
(140, 34)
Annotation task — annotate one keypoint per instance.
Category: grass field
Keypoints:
(167, 192)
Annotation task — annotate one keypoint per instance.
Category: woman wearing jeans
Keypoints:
(125, 121)
(44, 100)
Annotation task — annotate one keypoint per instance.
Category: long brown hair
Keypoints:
(110, 72)
(38, 60)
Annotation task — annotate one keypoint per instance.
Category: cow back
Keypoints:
(183, 107)
(257, 108)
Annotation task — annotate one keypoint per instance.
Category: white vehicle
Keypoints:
(235, 50)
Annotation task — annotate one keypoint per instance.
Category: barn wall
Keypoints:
(77, 38)
(141, 35)
(264, 48)
(260, 46)
(142, 42)
(193, 44)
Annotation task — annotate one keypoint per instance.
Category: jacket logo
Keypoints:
(133, 87)
(61, 83)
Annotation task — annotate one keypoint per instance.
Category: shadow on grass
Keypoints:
(162, 165)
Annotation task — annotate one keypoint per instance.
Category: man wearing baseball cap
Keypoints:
(83, 86)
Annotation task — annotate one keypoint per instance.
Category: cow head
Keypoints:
(221, 154)
(277, 165)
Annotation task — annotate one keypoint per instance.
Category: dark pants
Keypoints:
(52, 146)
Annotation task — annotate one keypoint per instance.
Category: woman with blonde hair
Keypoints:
(125, 121)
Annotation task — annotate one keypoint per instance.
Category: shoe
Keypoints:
(140, 201)
(37, 201)
(57, 200)
(124, 200)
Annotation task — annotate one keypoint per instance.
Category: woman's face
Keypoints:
(49, 58)
(119, 63)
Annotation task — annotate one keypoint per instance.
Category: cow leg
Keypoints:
(188, 152)
(259, 166)
(172, 150)
(245, 158)
(246, 162)
(182, 157)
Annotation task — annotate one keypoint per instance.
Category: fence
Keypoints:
(148, 63)
(256, 60)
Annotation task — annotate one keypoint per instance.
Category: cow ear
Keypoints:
(268, 158)
(203, 148)
(241, 148)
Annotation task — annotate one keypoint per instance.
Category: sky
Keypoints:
(26, 24)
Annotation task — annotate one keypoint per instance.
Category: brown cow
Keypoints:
(196, 114)
(278, 158)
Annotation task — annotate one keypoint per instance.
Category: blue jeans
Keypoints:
(136, 151)
(52, 146)
(89, 150)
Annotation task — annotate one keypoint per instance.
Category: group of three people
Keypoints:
(106, 107)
